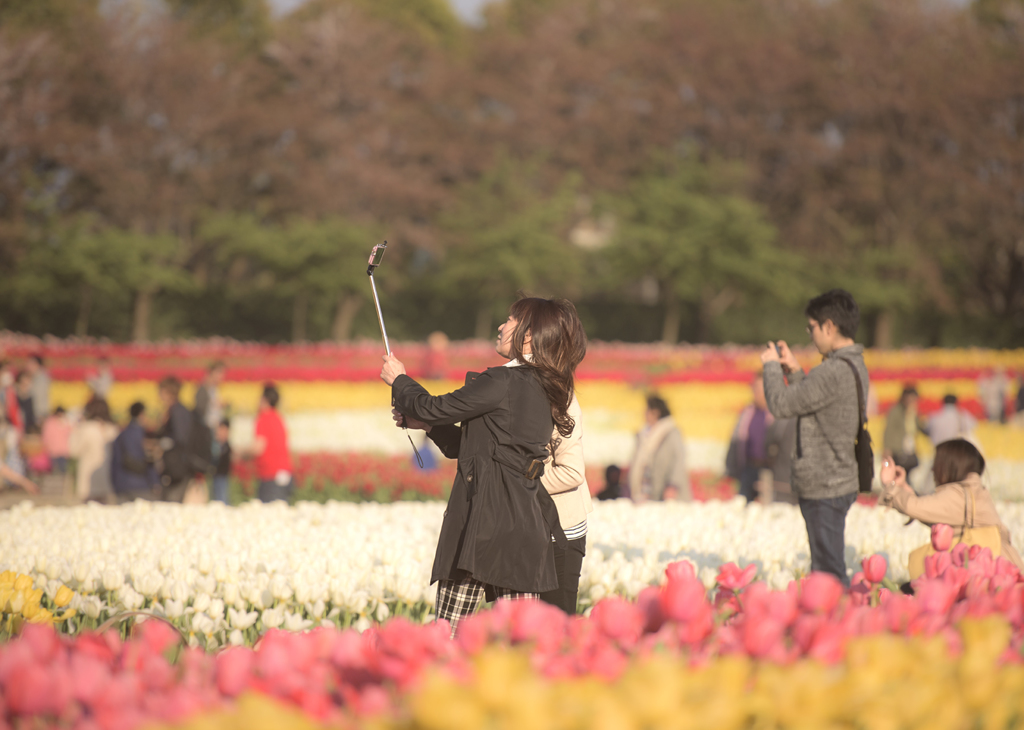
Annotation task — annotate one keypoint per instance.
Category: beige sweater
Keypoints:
(948, 506)
(565, 475)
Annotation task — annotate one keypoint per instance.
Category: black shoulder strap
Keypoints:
(861, 410)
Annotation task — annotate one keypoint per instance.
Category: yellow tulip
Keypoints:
(23, 582)
(63, 597)
(5, 598)
(30, 609)
(7, 579)
(42, 616)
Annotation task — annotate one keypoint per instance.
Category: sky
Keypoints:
(468, 10)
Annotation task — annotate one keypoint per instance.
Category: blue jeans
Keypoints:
(271, 491)
(220, 488)
(826, 533)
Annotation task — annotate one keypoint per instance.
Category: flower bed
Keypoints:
(226, 575)
(810, 655)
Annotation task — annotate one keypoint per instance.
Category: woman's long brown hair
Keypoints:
(557, 345)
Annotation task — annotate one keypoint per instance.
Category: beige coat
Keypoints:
(947, 506)
(565, 474)
(91, 443)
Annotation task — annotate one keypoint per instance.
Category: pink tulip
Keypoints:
(875, 567)
(680, 570)
(88, 677)
(959, 554)
(942, 537)
(936, 564)
(649, 605)
(234, 668)
(936, 596)
(27, 691)
(43, 641)
(732, 578)
(619, 620)
(828, 645)
(683, 600)
(761, 638)
(820, 592)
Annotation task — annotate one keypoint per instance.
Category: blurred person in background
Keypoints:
(9, 475)
(23, 390)
(827, 407)
(902, 424)
(612, 486)
(658, 470)
(992, 387)
(174, 434)
(90, 444)
(436, 364)
(748, 447)
(208, 405)
(9, 408)
(57, 439)
(1018, 406)
(101, 381)
(222, 461)
(951, 422)
(40, 387)
(270, 448)
(131, 470)
(958, 468)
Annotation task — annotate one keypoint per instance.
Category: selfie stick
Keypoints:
(376, 255)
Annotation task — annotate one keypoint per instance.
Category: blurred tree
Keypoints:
(434, 20)
(300, 260)
(685, 228)
(243, 22)
(51, 15)
(506, 233)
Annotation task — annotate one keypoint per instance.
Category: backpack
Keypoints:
(862, 446)
(200, 444)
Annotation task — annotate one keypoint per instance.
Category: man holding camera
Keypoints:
(826, 406)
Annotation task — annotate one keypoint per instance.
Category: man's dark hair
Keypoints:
(612, 474)
(137, 409)
(955, 459)
(59, 410)
(908, 390)
(216, 365)
(270, 395)
(949, 399)
(839, 306)
(225, 422)
(97, 410)
(171, 384)
(38, 359)
(654, 403)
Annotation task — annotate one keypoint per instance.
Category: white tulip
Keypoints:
(242, 620)
(90, 606)
(216, 608)
(173, 609)
(272, 618)
(295, 622)
(201, 602)
(235, 638)
(230, 592)
(112, 579)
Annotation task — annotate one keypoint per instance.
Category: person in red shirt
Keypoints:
(270, 447)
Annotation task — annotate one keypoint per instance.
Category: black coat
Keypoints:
(499, 523)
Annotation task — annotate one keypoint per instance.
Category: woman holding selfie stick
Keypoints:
(497, 536)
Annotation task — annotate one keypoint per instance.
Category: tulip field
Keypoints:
(320, 614)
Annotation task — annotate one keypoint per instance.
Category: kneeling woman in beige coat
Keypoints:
(958, 468)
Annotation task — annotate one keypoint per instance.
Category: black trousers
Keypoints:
(568, 564)
(826, 533)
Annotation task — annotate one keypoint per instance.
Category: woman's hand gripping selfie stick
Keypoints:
(376, 256)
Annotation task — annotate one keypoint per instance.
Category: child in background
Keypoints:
(56, 440)
(222, 453)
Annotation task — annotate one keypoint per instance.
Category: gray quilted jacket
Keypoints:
(824, 402)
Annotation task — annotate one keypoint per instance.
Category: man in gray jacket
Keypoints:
(825, 404)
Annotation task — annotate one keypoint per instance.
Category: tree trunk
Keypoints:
(712, 306)
(882, 337)
(141, 315)
(483, 322)
(348, 306)
(300, 308)
(84, 311)
(673, 317)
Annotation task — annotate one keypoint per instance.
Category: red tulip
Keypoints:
(942, 537)
(683, 600)
(875, 567)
